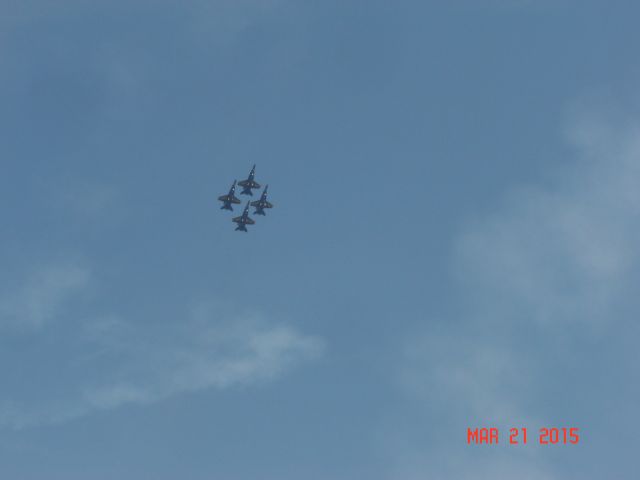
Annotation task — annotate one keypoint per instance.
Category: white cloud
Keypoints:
(551, 268)
(561, 255)
(106, 362)
(199, 357)
(85, 198)
(227, 16)
(42, 297)
(478, 379)
(495, 464)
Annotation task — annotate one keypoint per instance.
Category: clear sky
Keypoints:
(454, 241)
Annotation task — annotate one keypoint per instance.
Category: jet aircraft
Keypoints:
(261, 204)
(244, 219)
(249, 183)
(229, 198)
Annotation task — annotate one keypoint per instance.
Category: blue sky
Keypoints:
(453, 241)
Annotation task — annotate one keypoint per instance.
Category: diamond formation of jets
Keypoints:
(247, 185)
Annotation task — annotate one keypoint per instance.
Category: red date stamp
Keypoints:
(521, 436)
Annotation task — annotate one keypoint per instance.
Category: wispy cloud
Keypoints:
(42, 296)
(561, 254)
(104, 362)
(550, 269)
(85, 198)
(197, 356)
(227, 16)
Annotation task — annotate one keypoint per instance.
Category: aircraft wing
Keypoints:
(249, 183)
(249, 221)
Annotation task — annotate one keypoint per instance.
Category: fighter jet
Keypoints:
(249, 183)
(243, 220)
(229, 198)
(262, 203)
